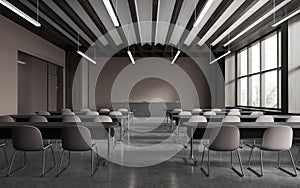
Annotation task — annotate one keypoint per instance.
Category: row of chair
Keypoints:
(227, 139)
(213, 112)
(29, 139)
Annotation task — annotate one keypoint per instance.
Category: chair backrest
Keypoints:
(123, 110)
(66, 110)
(234, 110)
(278, 138)
(104, 110)
(294, 119)
(38, 119)
(27, 138)
(76, 138)
(115, 113)
(257, 113)
(216, 110)
(234, 113)
(209, 113)
(185, 113)
(265, 119)
(68, 113)
(231, 119)
(103, 119)
(71, 119)
(197, 119)
(92, 113)
(43, 113)
(85, 110)
(197, 110)
(226, 138)
(177, 110)
(6, 119)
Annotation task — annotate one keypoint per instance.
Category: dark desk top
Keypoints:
(59, 118)
(241, 125)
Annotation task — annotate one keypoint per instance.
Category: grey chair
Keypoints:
(209, 113)
(224, 139)
(38, 119)
(43, 113)
(29, 139)
(6, 119)
(231, 119)
(3, 145)
(295, 119)
(85, 110)
(92, 113)
(234, 113)
(275, 139)
(78, 139)
(68, 113)
(265, 118)
(257, 113)
(216, 110)
(71, 119)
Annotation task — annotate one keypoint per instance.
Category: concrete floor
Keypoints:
(175, 172)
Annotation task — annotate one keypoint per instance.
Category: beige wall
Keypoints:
(294, 65)
(230, 80)
(13, 38)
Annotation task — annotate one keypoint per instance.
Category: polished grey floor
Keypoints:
(176, 172)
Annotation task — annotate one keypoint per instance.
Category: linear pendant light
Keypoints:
(224, 55)
(286, 18)
(203, 12)
(111, 12)
(175, 58)
(282, 4)
(130, 57)
(86, 57)
(19, 12)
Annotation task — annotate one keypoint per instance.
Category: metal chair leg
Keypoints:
(92, 163)
(54, 162)
(208, 163)
(60, 164)
(261, 164)
(43, 172)
(241, 174)
(12, 162)
(298, 168)
(294, 166)
(6, 158)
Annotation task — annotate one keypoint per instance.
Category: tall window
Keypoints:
(258, 73)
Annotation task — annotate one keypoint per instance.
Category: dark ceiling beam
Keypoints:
(134, 18)
(192, 20)
(59, 21)
(46, 31)
(94, 17)
(241, 11)
(75, 18)
(266, 8)
(173, 20)
(212, 20)
(154, 23)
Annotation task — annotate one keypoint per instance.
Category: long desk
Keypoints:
(52, 130)
(247, 130)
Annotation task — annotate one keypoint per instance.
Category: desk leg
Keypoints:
(171, 123)
(192, 146)
(108, 144)
(178, 136)
(121, 130)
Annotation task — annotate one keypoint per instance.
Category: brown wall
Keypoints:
(13, 38)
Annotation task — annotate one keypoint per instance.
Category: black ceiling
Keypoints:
(58, 29)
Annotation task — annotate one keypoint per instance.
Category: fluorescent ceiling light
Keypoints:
(223, 18)
(203, 12)
(175, 58)
(19, 12)
(282, 4)
(220, 57)
(111, 12)
(243, 18)
(131, 57)
(86, 57)
(286, 18)
(21, 62)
